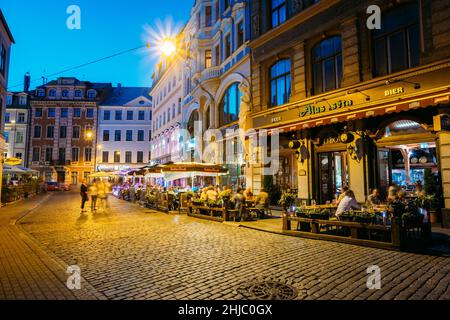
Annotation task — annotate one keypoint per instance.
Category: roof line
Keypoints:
(2, 18)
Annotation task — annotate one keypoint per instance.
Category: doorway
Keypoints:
(333, 174)
(74, 178)
(61, 176)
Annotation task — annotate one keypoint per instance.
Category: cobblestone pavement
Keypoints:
(134, 253)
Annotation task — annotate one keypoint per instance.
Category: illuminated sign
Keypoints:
(313, 109)
(393, 92)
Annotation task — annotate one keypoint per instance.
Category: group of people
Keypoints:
(97, 193)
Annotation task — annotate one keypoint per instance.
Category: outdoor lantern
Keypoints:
(347, 137)
(294, 144)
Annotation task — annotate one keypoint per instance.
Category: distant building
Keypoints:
(125, 129)
(17, 122)
(6, 40)
(64, 128)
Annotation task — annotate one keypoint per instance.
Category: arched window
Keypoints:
(327, 65)
(52, 93)
(65, 93)
(229, 105)
(280, 83)
(397, 44)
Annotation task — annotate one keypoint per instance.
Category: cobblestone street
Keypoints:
(135, 253)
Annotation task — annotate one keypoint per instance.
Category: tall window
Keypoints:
(140, 157)
(240, 34)
(397, 43)
(117, 135)
(105, 135)
(217, 55)
(141, 135)
(62, 155)
(19, 137)
(208, 59)
(105, 157)
(230, 105)
(50, 131)
(128, 155)
(117, 156)
(75, 154)
(89, 113)
(48, 154)
(280, 83)
(51, 112)
(36, 154)
(278, 12)
(118, 115)
(64, 112)
(141, 115)
(87, 154)
(21, 118)
(2, 59)
(327, 65)
(227, 46)
(77, 113)
(65, 93)
(76, 132)
(208, 16)
(107, 115)
(129, 135)
(129, 115)
(38, 113)
(63, 132)
(173, 111)
(37, 132)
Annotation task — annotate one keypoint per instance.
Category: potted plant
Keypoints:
(365, 217)
(430, 203)
(287, 200)
(321, 214)
(347, 216)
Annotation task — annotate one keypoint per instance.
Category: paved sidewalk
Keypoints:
(26, 271)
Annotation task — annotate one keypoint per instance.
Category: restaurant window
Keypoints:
(280, 83)
(117, 135)
(37, 132)
(128, 156)
(105, 157)
(105, 135)
(50, 131)
(227, 45)
(327, 65)
(51, 112)
(397, 44)
(141, 135)
(64, 112)
(208, 16)
(208, 59)
(63, 132)
(129, 115)
(230, 105)
(76, 132)
(117, 156)
(140, 157)
(36, 154)
(75, 154)
(278, 12)
(48, 154)
(87, 154)
(129, 135)
(240, 34)
(107, 115)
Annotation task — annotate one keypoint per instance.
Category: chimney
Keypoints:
(26, 82)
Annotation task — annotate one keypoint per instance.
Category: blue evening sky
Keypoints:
(45, 45)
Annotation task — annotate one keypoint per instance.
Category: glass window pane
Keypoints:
(414, 45)
(280, 91)
(338, 71)
(329, 73)
(397, 50)
(317, 70)
(380, 57)
(273, 93)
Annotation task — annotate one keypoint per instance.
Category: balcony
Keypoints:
(207, 74)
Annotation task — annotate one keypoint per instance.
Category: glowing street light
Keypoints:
(89, 135)
(168, 47)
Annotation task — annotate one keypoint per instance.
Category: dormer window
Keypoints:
(41, 93)
(78, 94)
(52, 93)
(22, 100)
(91, 94)
(65, 93)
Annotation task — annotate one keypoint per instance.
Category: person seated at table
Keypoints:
(392, 193)
(374, 198)
(248, 194)
(262, 202)
(212, 194)
(342, 195)
(204, 194)
(347, 203)
(239, 204)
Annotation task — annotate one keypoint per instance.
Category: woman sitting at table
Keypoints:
(204, 195)
(347, 203)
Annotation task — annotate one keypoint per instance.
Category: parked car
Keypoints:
(53, 186)
(64, 187)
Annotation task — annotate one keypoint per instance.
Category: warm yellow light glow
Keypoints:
(89, 135)
(168, 47)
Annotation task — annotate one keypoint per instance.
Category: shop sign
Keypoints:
(13, 161)
(394, 91)
(313, 109)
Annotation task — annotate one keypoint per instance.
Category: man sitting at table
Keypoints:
(347, 203)
(374, 198)
(248, 194)
(212, 194)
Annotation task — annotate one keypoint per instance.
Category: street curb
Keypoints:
(37, 247)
